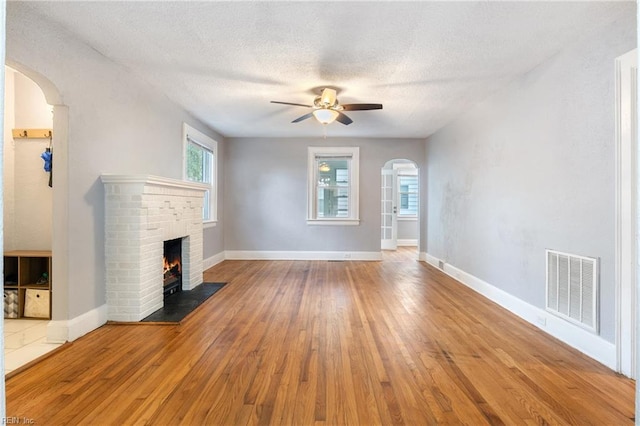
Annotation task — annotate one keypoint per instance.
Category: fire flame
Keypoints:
(170, 265)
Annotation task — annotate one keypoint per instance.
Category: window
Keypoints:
(333, 186)
(407, 195)
(200, 166)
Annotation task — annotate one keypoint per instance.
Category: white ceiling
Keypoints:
(426, 62)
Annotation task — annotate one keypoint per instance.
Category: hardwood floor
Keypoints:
(316, 342)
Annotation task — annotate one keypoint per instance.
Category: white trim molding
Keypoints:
(212, 261)
(303, 255)
(586, 342)
(431, 260)
(61, 331)
(407, 242)
(626, 208)
(330, 221)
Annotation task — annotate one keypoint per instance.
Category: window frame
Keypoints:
(314, 153)
(192, 135)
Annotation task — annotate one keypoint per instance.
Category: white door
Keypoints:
(388, 209)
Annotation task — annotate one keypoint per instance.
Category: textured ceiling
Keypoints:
(426, 62)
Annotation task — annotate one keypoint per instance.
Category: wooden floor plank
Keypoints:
(325, 343)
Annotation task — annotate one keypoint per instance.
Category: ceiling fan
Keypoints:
(327, 109)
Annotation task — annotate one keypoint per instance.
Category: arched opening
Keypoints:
(27, 194)
(400, 207)
(34, 217)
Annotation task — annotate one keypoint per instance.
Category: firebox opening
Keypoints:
(172, 266)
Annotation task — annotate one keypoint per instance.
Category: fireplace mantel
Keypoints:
(152, 180)
(141, 212)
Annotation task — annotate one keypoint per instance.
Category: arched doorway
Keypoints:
(59, 197)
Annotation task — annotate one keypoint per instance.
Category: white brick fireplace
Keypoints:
(141, 212)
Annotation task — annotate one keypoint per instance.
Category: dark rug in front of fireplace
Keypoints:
(178, 305)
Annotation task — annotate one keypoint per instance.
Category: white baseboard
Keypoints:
(431, 260)
(586, 342)
(302, 255)
(213, 260)
(407, 243)
(69, 330)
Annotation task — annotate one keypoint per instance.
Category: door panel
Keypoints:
(388, 232)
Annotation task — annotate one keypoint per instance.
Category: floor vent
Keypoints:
(572, 288)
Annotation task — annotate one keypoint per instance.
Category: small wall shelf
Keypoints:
(28, 270)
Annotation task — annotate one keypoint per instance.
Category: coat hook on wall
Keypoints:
(32, 133)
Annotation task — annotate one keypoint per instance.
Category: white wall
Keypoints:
(408, 229)
(117, 124)
(27, 196)
(266, 194)
(532, 168)
(31, 108)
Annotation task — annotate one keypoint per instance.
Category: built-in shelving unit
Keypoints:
(28, 270)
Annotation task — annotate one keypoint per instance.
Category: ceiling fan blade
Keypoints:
(304, 117)
(361, 107)
(290, 103)
(344, 119)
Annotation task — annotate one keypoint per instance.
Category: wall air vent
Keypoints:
(572, 288)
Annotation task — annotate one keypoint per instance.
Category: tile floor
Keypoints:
(24, 341)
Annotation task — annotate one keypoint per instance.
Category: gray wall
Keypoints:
(533, 168)
(266, 194)
(117, 124)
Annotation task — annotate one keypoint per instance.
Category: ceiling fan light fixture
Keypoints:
(328, 97)
(325, 115)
